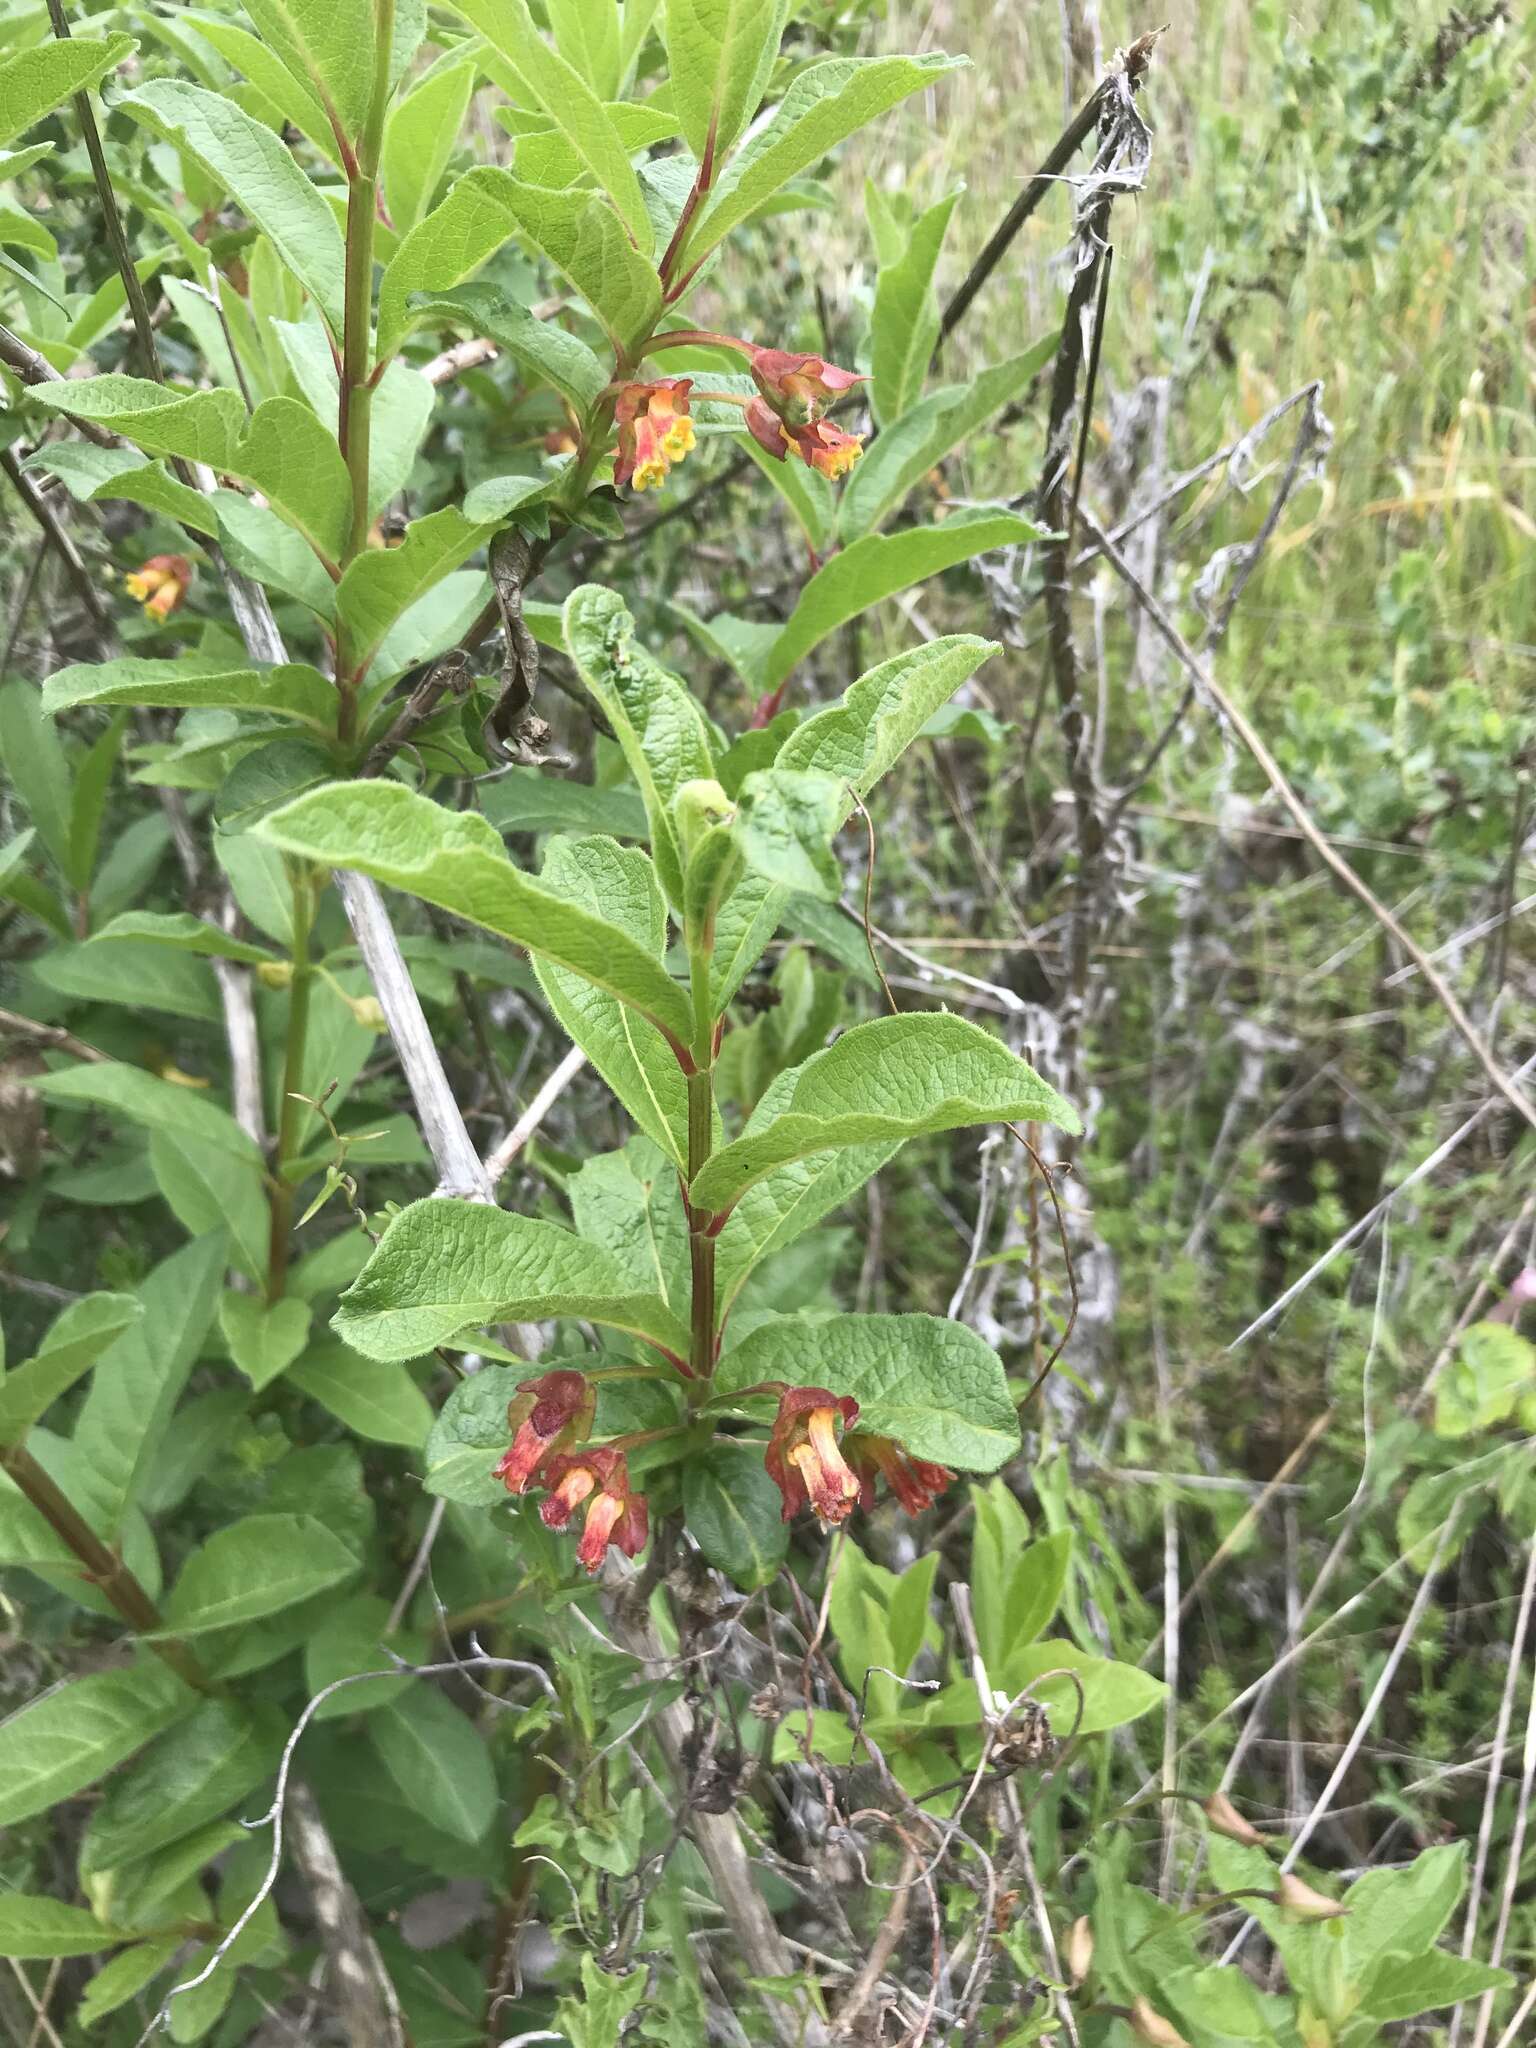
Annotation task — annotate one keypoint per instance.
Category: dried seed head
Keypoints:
(1226, 1820)
(1299, 1902)
(1148, 2024)
(1079, 1950)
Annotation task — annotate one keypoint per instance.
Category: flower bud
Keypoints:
(275, 973)
(1301, 1904)
(1078, 1954)
(1226, 1820)
(1148, 2024)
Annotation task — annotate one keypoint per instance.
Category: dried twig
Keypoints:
(499, 1160)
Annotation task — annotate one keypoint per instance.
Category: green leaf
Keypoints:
(786, 819)
(1403, 1911)
(377, 1401)
(456, 860)
(330, 44)
(264, 1338)
(265, 547)
(588, 34)
(720, 55)
(734, 1513)
(124, 1977)
(824, 105)
(160, 1105)
(436, 1756)
(93, 782)
(917, 442)
(34, 1928)
(207, 1189)
(585, 240)
(444, 1266)
(33, 82)
(254, 1567)
(788, 1201)
(260, 174)
(78, 1732)
(296, 465)
(541, 348)
(656, 719)
(352, 1642)
(455, 238)
(1494, 1365)
(606, 2002)
(1112, 1693)
(129, 1406)
(183, 932)
(72, 1346)
(419, 138)
(1405, 1985)
(191, 1776)
(861, 737)
(469, 1436)
(528, 800)
(932, 1385)
(91, 474)
(628, 1203)
(877, 567)
(196, 682)
(905, 323)
(568, 98)
(199, 426)
(288, 91)
(618, 883)
(122, 971)
(812, 498)
(35, 766)
(383, 583)
(908, 1075)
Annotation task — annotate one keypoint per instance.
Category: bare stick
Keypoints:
(1200, 674)
(1512, 1862)
(365, 1999)
(56, 537)
(555, 1085)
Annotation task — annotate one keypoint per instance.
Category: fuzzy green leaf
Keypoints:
(444, 1266)
(827, 103)
(861, 737)
(932, 1385)
(379, 1402)
(438, 1759)
(456, 860)
(33, 82)
(144, 1099)
(904, 325)
(893, 1078)
(735, 1514)
(880, 565)
(655, 717)
(260, 174)
(420, 137)
(541, 348)
(264, 1337)
(720, 56)
(187, 1778)
(34, 1928)
(198, 681)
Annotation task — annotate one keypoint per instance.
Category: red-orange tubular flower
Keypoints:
(616, 1515)
(798, 388)
(818, 443)
(549, 1414)
(915, 1483)
(803, 1458)
(655, 430)
(160, 585)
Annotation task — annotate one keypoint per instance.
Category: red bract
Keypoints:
(615, 1516)
(798, 388)
(548, 1414)
(160, 585)
(915, 1483)
(803, 1459)
(654, 430)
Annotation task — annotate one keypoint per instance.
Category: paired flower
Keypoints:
(803, 1458)
(654, 430)
(549, 1414)
(794, 393)
(614, 1514)
(160, 585)
(915, 1483)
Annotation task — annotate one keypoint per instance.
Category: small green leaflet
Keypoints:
(720, 56)
(34, 1928)
(33, 82)
(254, 1567)
(72, 1346)
(444, 1266)
(905, 323)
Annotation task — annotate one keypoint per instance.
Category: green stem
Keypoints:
(701, 1138)
(291, 1109)
(102, 1565)
(355, 407)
